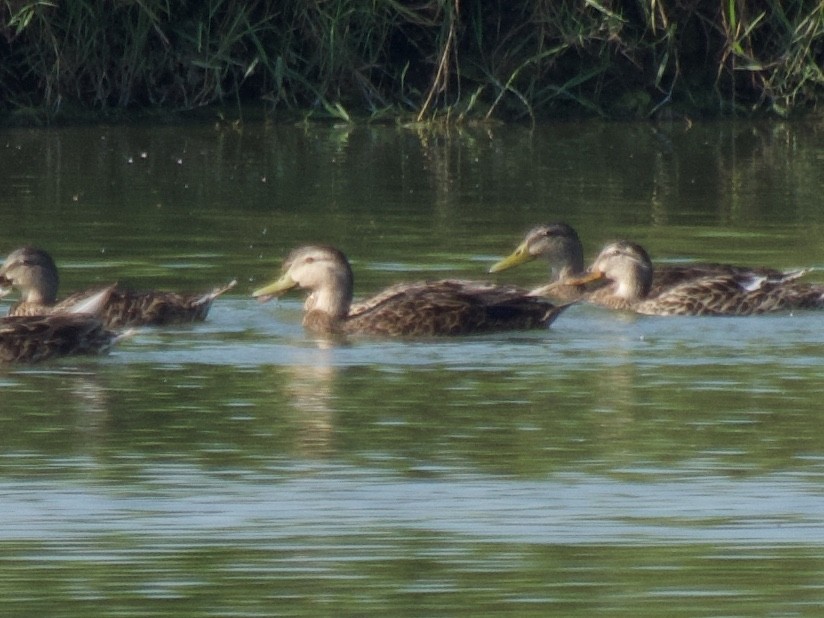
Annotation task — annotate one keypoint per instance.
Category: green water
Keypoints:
(614, 465)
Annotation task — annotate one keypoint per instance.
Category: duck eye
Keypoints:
(309, 259)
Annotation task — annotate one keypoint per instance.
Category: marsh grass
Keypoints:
(433, 59)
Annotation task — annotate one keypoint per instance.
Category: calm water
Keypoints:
(613, 465)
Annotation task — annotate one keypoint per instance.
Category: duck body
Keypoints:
(625, 271)
(717, 295)
(156, 308)
(665, 277)
(560, 245)
(34, 273)
(30, 339)
(450, 307)
(421, 309)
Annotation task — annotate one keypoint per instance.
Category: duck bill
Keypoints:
(268, 292)
(595, 275)
(520, 256)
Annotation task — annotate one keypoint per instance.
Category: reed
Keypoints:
(433, 59)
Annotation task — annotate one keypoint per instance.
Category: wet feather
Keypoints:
(625, 271)
(425, 308)
(560, 245)
(30, 339)
(34, 273)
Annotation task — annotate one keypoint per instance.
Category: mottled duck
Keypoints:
(433, 308)
(626, 274)
(559, 244)
(33, 272)
(29, 339)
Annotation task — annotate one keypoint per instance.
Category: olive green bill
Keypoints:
(520, 256)
(268, 292)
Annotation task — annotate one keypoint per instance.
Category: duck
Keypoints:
(446, 307)
(559, 244)
(77, 330)
(626, 273)
(33, 272)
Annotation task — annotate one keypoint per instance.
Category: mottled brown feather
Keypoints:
(29, 339)
(449, 308)
(561, 247)
(421, 309)
(33, 271)
(723, 291)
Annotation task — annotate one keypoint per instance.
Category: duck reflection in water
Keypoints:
(309, 391)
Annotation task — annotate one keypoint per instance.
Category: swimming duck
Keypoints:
(34, 273)
(559, 244)
(627, 273)
(29, 339)
(446, 307)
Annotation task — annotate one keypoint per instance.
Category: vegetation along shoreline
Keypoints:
(513, 60)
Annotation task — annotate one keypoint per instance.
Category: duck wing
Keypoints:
(155, 308)
(31, 339)
(670, 275)
(450, 307)
(741, 293)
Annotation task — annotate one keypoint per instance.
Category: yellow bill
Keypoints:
(268, 292)
(520, 256)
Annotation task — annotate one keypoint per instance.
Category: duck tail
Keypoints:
(553, 312)
(210, 296)
(792, 275)
(125, 334)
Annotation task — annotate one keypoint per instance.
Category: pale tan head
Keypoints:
(33, 272)
(321, 269)
(557, 243)
(628, 268)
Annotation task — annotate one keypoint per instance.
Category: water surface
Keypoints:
(613, 465)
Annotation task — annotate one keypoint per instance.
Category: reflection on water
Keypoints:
(188, 506)
(310, 391)
(619, 465)
(354, 536)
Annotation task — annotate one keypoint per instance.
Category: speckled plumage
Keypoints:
(29, 339)
(626, 272)
(34, 273)
(420, 309)
(560, 245)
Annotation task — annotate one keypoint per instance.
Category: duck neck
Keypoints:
(332, 299)
(635, 286)
(568, 262)
(43, 291)
(567, 271)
